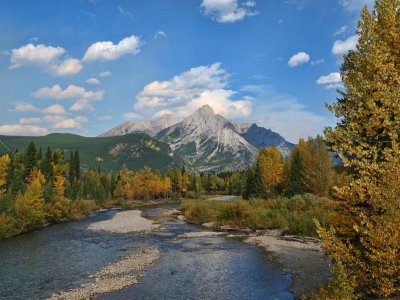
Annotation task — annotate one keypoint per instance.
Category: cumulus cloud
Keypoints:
(331, 78)
(19, 129)
(341, 48)
(72, 92)
(93, 80)
(49, 59)
(82, 105)
(298, 59)
(107, 50)
(55, 109)
(332, 81)
(69, 66)
(30, 121)
(24, 107)
(185, 93)
(64, 122)
(228, 11)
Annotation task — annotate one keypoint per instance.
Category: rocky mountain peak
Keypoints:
(205, 110)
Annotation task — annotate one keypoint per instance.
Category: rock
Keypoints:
(228, 228)
(209, 224)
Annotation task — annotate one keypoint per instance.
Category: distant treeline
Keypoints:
(38, 188)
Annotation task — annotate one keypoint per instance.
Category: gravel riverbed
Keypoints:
(113, 277)
(125, 222)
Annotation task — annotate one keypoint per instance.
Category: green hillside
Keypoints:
(134, 150)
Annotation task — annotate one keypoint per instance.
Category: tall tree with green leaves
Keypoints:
(296, 180)
(365, 241)
(31, 158)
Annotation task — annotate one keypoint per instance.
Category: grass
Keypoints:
(295, 215)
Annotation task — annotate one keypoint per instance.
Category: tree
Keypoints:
(29, 207)
(4, 163)
(296, 179)
(317, 165)
(270, 164)
(30, 156)
(365, 242)
(77, 165)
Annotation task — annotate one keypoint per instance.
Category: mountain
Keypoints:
(110, 153)
(208, 142)
(149, 127)
(260, 137)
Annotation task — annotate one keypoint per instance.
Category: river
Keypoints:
(60, 257)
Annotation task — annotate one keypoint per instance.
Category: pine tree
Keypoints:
(296, 181)
(30, 157)
(48, 165)
(77, 165)
(365, 241)
(71, 169)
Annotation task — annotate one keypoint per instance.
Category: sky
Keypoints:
(85, 66)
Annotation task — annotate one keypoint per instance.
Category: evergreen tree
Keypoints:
(296, 181)
(48, 165)
(30, 157)
(77, 165)
(365, 241)
(71, 169)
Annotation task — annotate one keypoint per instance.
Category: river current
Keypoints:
(60, 257)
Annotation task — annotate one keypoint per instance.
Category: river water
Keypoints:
(60, 257)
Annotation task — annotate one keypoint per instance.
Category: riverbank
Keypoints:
(81, 210)
(113, 277)
(302, 257)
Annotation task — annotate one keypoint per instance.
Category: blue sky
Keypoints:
(84, 66)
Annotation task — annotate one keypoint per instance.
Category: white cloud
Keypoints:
(55, 109)
(342, 47)
(69, 66)
(29, 121)
(82, 105)
(332, 81)
(228, 11)
(31, 55)
(331, 78)
(352, 5)
(105, 74)
(185, 93)
(64, 122)
(93, 80)
(284, 114)
(160, 34)
(104, 51)
(71, 92)
(341, 30)
(19, 129)
(24, 107)
(48, 58)
(298, 59)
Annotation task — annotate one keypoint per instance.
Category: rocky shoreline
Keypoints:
(302, 257)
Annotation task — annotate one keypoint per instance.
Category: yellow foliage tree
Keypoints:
(4, 163)
(29, 207)
(271, 166)
(365, 240)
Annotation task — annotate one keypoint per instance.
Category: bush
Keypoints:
(294, 215)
